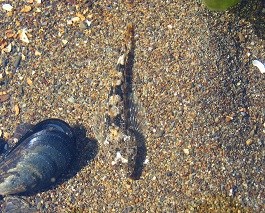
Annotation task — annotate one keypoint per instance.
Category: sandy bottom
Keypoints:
(201, 101)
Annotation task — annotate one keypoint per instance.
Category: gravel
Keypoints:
(201, 101)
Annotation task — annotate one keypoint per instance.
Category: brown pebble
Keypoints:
(241, 37)
(4, 97)
(228, 118)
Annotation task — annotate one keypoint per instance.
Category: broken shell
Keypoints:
(7, 7)
(259, 65)
(23, 36)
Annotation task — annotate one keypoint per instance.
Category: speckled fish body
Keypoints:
(39, 157)
(120, 135)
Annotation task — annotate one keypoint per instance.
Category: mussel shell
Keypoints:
(2, 145)
(40, 156)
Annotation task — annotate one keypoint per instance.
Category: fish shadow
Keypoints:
(134, 123)
(86, 150)
(140, 155)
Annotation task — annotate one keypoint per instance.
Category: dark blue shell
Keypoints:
(40, 156)
(2, 145)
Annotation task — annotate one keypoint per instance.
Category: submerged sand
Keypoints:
(202, 100)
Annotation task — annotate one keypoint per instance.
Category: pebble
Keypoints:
(37, 53)
(16, 110)
(83, 25)
(17, 60)
(4, 97)
(29, 82)
(186, 151)
(64, 41)
(160, 133)
(26, 9)
(71, 100)
(249, 142)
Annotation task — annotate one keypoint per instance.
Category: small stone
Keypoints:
(82, 18)
(229, 118)
(64, 41)
(37, 53)
(3, 43)
(29, 82)
(53, 179)
(249, 142)
(160, 133)
(71, 100)
(26, 9)
(241, 37)
(186, 151)
(83, 25)
(75, 19)
(16, 110)
(4, 97)
(170, 26)
(17, 60)
(6, 135)
(9, 33)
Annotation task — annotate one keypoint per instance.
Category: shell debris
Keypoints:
(23, 36)
(259, 65)
(7, 7)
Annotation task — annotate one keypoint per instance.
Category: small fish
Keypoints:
(121, 124)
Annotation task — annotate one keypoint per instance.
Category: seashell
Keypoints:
(7, 7)
(38, 159)
(3, 145)
(259, 65)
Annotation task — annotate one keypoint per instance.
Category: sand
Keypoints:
(201, 101)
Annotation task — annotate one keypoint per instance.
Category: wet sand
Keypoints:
(201, 100)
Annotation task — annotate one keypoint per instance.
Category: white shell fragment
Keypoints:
(260, 66)
(8, 48)
(88, 23)
(23, 36)
(119, 158)
(121, 59)
(7, 7)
